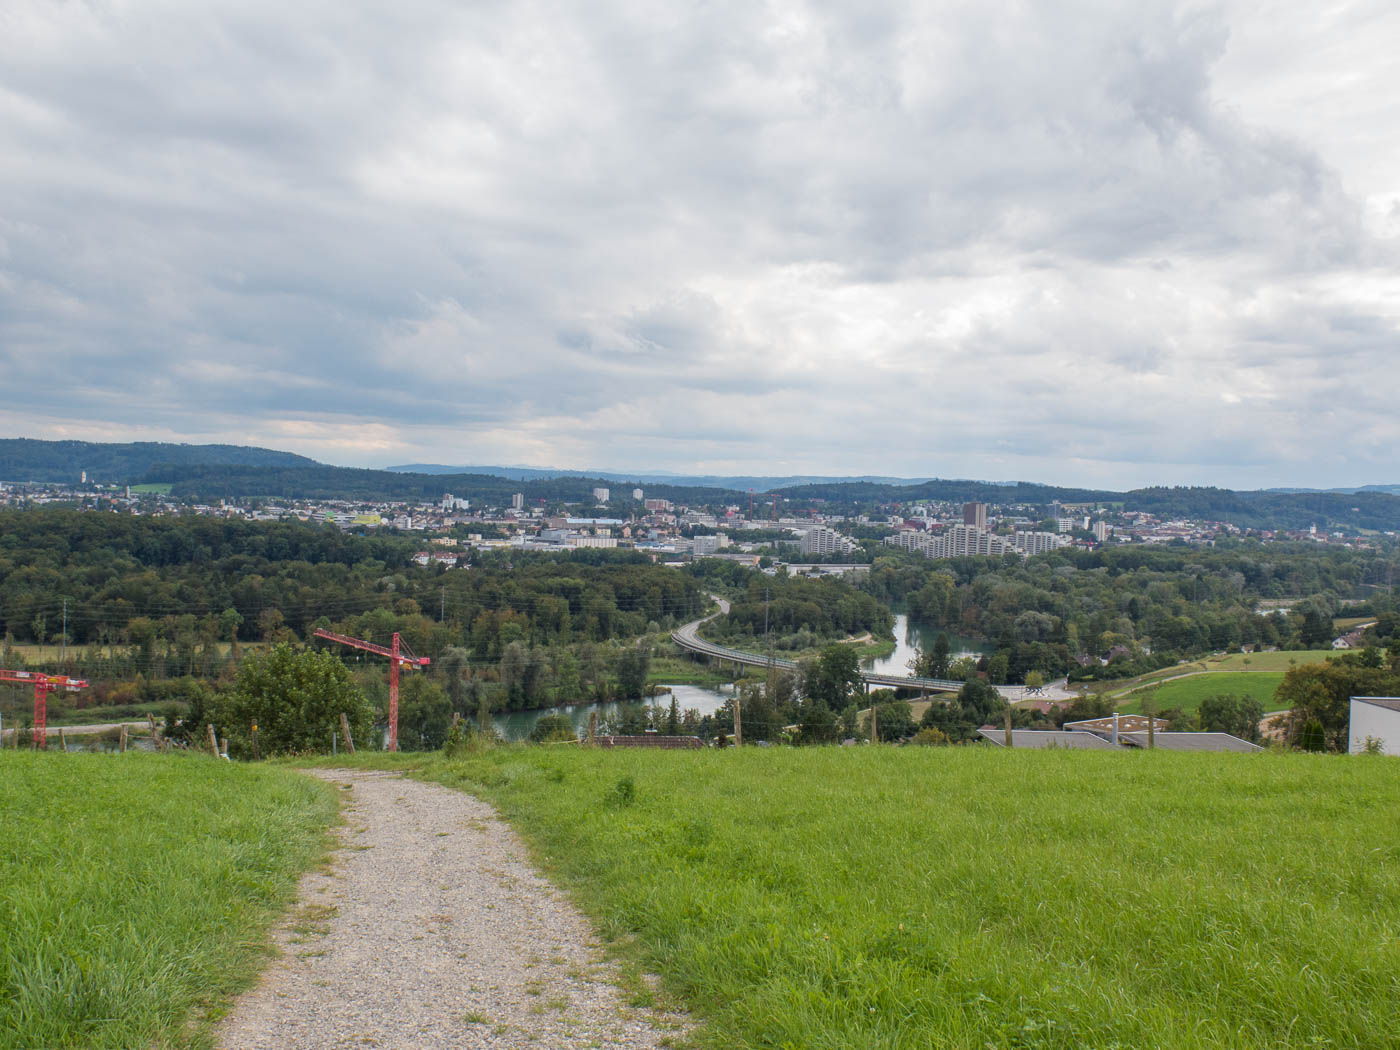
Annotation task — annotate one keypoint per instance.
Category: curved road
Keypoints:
(688, 638)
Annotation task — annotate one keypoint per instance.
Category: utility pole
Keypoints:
(738, 717)
(768, 643)
(63, 640)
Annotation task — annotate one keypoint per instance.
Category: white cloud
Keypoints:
(1093, 244)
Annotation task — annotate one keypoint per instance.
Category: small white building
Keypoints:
(1375, 718)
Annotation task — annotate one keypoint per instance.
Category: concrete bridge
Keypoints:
(688, 638)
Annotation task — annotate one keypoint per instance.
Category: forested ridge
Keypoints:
(28, 459)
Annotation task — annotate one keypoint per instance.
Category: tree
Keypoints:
(633, 665)
(980, 703)
(893, 718)
(296, 699)
(549, 728)
(835, 676)
(1237, 715)
(1322, 693)
(455, 667)
(934, 662)
(425, 714)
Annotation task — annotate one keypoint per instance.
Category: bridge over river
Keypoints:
(688, 638)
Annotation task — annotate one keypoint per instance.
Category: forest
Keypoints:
(157, 609)
(1059, 613)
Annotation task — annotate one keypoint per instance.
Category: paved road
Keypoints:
(688, 638)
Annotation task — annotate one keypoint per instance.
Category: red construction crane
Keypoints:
(398, 653)
(43, 684)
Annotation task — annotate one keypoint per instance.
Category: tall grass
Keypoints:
(134, 890)
(837, 898)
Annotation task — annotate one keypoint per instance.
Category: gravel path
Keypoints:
(432, 930)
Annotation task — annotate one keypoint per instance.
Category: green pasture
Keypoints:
(135, 890)
(972, 898)
(1187, 693)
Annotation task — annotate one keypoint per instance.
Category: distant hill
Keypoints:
(210, 483)
(206, 473)
(737, 482)
(28, 459)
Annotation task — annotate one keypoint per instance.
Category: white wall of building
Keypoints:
(1380, 723)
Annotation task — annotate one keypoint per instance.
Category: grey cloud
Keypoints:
(843, 236)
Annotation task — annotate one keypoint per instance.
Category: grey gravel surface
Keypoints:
(431, 929)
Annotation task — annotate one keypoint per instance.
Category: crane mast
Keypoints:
(44, 684)
(399, 655)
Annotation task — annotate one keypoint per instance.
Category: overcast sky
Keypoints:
(1083, 242)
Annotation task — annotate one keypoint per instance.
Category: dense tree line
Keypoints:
(155, 599)
(1142, 607)
(798, 612)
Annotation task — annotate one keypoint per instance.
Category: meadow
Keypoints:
(135, 890)
(970, 898)
(1187, 693)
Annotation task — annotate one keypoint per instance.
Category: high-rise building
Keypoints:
(637, 495)
(975, 514)
(824, 540)
(601, 494)
(517, 502)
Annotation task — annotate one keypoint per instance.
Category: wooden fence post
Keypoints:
(345, 729)
(63, 740)
(213, 743)
(122, 738)
(155, 732)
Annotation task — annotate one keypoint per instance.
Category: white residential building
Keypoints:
(703, 545)
(1374, 718)
(823, 540)
(601, 494)
(1029, 543)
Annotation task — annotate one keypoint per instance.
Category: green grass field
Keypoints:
(970, 898)
(135, 889)
(1277, 661)
(1187, 693)
(152, 489)
(1250, 663)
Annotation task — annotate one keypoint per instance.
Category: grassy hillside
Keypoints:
(836, 898)
(1187, 693)
(134, 889)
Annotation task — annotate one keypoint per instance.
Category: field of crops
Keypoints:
(970, 898)
(134, 890)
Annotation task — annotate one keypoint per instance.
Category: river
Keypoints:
(909, 638)
(516, 725)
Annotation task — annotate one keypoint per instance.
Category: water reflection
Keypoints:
(516, 725)
(909, 638)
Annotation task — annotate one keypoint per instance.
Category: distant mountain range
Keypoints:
(739, 482)
(1390, 490)
(208, 473)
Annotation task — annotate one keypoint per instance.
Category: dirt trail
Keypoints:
(432, 930)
